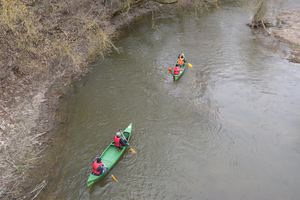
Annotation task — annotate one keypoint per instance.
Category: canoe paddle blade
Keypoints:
(132, 150)
(114, 178)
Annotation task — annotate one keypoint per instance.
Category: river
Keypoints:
(228, 129)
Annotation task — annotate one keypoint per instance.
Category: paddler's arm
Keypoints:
(124, 142)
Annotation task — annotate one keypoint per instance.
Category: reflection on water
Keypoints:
(229, 129)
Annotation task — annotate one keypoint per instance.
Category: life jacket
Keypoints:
(180, 61)
(176, 70)
(96, 166)
(117, 141)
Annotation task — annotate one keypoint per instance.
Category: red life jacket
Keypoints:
(176, 70)
(117, 141)
(96, 166)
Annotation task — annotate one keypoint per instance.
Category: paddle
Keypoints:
(170, 70)
(190, 65)
(130, 148)
(114, 178)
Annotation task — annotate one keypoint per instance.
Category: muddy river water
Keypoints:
(228, 129)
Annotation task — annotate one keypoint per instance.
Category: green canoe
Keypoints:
(110, 157)
(182, 70)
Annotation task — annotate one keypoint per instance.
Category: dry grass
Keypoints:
(39, 41)
(18, 25)
(98, 40)
(126, 5)
(37, 37)
(19, 18)
(260, 13)
(260, 9)
(198, 4)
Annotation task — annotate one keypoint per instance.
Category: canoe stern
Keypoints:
(108, 159)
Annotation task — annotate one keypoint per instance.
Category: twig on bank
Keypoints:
(35, 158)
(38, 135)
(12, 163)
(216, 3)
(263, 25)
(38, 188)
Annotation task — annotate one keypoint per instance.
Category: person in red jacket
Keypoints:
(119, 141)
(98, 167)
(176, 69)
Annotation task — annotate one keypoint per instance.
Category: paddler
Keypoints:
(119, 141)
(181, 59)
(176, 69)
(98, 167)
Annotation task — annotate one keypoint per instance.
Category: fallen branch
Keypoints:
(167, 2)
(12, 163)
(38, 135)
(126, 7)
(264, 27)
(38, 188)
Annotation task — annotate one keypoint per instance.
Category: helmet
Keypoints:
(98, 159)
(118, 134)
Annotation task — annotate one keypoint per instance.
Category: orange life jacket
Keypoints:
(117, 141)
(96, 166)
(180, 61)
(176, 70)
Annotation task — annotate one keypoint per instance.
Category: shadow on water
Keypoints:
(227, 130)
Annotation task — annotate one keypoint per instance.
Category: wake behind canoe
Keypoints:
(110, 157)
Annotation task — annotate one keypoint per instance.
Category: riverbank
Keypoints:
(41, 60)
(45, 48)
(288, 30)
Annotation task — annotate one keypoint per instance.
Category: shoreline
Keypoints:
(29, 111)
(288, 31)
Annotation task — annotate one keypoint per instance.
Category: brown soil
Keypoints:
(288, 30)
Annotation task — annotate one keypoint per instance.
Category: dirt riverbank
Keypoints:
(35, 74)
(288, 30)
